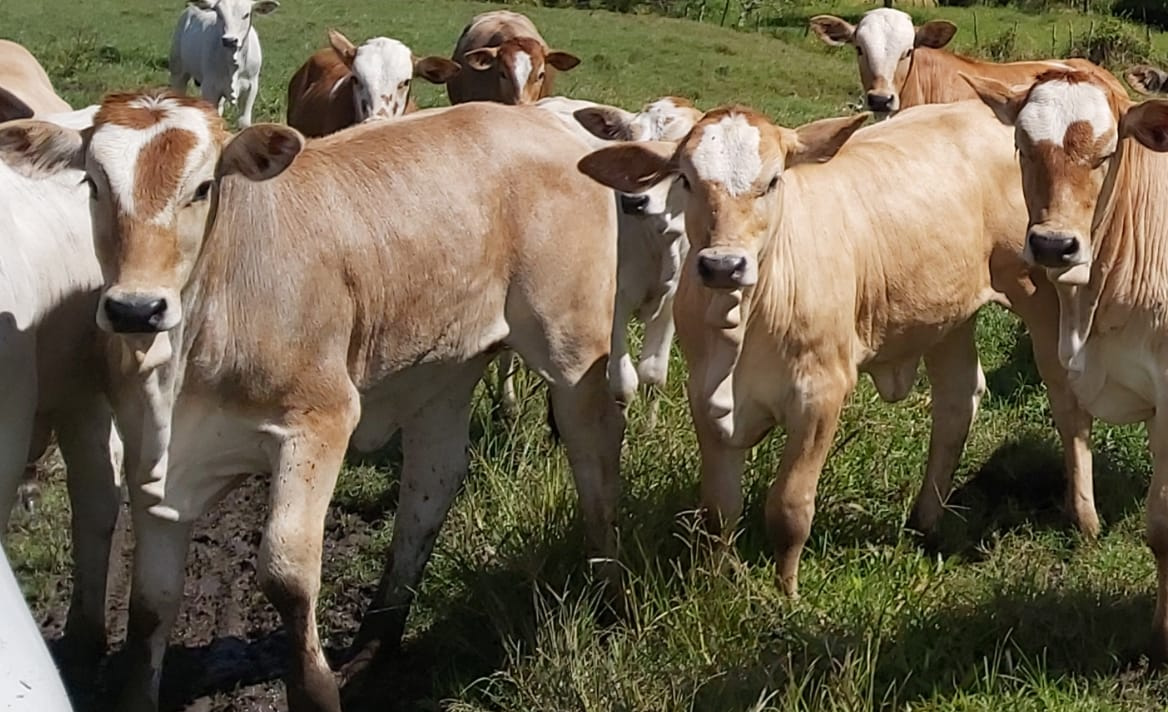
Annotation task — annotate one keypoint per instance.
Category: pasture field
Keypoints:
(1013, 611)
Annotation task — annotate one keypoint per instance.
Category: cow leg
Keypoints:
(305, 473)
(435, 463)
(622, 375)
(93, 456)
(653, 367)
(592, 426)
(505, 365)
(1157, 529)
(160, 552)
(811, 417)
(18, 400)
(956, 383)
(721, 472)
(246, 101)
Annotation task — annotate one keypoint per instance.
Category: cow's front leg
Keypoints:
(305, 473)
(1157, 529)
(653, 367)
(622, 375)
(244, 99)
(721, 470)
(811, 418)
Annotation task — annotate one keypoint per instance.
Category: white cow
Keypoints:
(216, 45)
(49, 282)
(651, 239)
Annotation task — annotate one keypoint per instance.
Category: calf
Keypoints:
(504, 59)
(903, 66)
(1095, 173)
(216, 45)
(49, 358)
(268, 300)
(794, 285)
(344, 85)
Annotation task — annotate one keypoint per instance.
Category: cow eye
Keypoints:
(246, 15)
(1103, 159)
(202, 192)
(907, 53)
(859, 51)
(684, 182)
(771, 186)
(541, 73)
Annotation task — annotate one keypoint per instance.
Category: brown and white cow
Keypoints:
(794, 285)
(268, 299)
(343, 84)
(1095, 173)
(1146, 79)
(902, 65)
(24, 77)
(504, 59)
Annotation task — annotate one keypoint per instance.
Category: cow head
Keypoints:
(1069, 128)
(234, 17)
(661, 207)
(380, 71)
(521, 67)
(884, 41)
(731, 168)
(1147, 80)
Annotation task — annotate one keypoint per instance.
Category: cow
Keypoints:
(23, 76)
(1147, 80)
(216, 45)
(343, 84)
(902, 65)
(269, 300)
(49, 356)
(651, 244)
(795, 283)
(504, 59)
(29, 681)
(1094, 172)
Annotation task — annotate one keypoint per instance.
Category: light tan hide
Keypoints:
(346, 287)
(504, 59)
(343, 85)
(1095, 175)
(24, 77)
(903, 66)
(813, 272)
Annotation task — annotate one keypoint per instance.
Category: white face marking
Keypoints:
(234, 20)
(382, 65)
(728, 154)
(661, 120)
(884, 36)
(116, 149)
(1054, 106)
(522, 70)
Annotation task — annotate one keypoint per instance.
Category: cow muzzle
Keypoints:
(1053, 248)
(726, 268)
(137, 312)
(231, 43)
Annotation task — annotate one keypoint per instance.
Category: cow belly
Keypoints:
(1118, 384)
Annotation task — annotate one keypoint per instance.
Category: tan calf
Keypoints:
(23, 77)
(270, 299)
(504, 59)
(1095, 173)
(343, 85)
(794, 285)
(902, 65)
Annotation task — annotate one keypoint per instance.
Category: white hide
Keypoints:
(728, 154)
(1054, 106)
(383, 68)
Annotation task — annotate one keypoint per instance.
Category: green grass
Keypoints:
(1016, 614)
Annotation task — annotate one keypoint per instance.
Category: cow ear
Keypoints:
(1147, 122)
(833, 30)
(436, 70)
(345, 49)
(482, 58)
(260, 152)
(265, 7)
(12, 108)
(39, 149)
(1005, 101)
(631, 167)
(1145, 79)
(606, 122)
(562, 61)
(818, 141)
(203, 4)
(935, 34)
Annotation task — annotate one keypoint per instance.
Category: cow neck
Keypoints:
(918, 81)
(1129, 265)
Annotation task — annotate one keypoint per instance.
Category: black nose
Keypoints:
(880, 102)
(1052, 249)
(633, 204)
(721, 271)
(231, 42)
(135, 315)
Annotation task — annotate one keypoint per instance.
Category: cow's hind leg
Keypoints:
(93, 457)
(957, 384)
(435, 462)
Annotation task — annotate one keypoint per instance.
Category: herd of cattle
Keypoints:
(264, 301)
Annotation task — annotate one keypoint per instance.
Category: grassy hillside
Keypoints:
(1015, 613)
